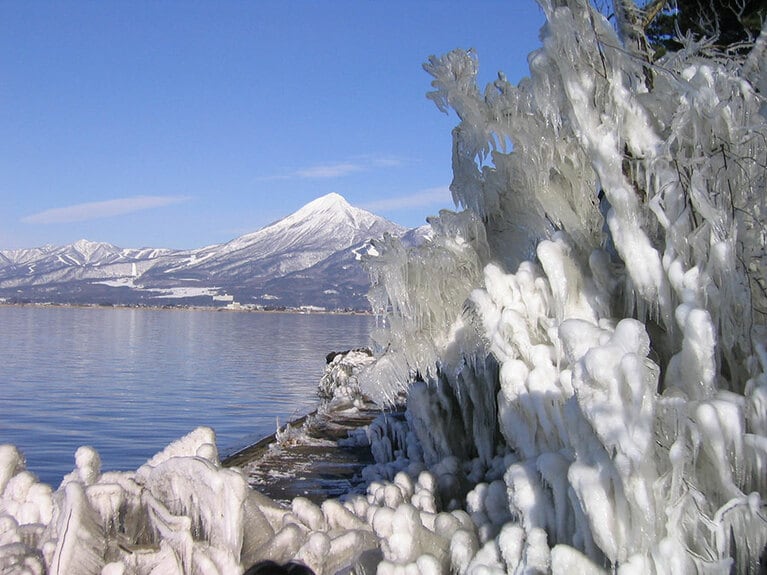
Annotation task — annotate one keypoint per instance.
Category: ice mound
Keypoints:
(167, 515)
(339, 385)
(181, 512)
(340, 395)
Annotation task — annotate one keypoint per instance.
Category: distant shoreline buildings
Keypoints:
(232, 306)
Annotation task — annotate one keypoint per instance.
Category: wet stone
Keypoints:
(312, 459)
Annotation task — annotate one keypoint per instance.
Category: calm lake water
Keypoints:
(129, 381)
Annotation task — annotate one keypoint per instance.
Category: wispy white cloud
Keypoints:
(428, 197)
(339, 169)
(387, 161)
(98, 210)
(324, 171)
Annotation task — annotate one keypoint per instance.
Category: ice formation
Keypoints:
(582, 351)
(598, 353)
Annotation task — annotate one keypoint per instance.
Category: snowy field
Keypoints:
(581, 349)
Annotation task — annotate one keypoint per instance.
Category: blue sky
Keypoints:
(183, 124)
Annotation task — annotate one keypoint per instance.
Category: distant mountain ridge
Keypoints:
(308, 258)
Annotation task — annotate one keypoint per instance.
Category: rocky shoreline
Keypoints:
(316, 456)
(320, 455)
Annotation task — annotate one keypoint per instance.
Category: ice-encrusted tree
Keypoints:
(594, 320)
(730, 22)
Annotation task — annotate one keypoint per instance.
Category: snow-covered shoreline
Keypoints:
(183, 511)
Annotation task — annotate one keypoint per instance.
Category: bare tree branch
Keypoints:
(651, 11)
(629, 23)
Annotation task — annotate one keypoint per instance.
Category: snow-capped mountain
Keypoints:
(306, 258)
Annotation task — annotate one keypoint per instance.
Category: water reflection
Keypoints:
(128, 381)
